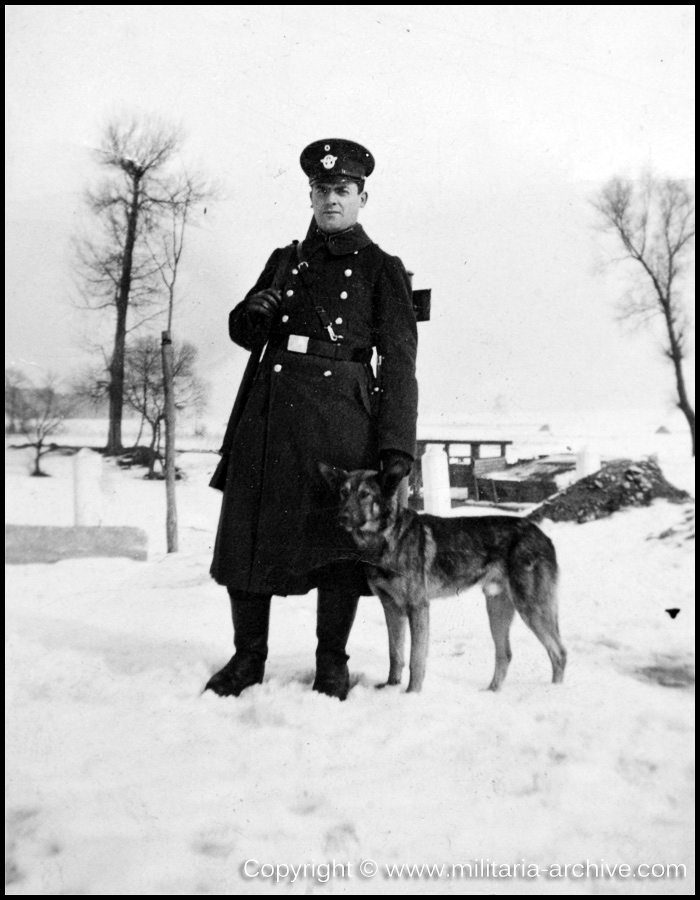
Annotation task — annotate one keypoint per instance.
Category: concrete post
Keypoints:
(587, 462)
(87, 487)
(436, 480)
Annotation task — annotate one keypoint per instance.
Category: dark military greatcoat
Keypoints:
(278, 532)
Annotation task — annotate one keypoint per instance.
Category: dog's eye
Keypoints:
(363, 494)
(344, 492)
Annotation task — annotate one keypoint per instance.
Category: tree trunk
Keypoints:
(37, 459)
(139, 435)
(171, 506)
(683, 401)
(116, 385)
(154, 452)
(116, 388)
(675, 353)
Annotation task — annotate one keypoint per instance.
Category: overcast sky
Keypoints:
(491, 127)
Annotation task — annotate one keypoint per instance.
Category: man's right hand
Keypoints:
(264, 303)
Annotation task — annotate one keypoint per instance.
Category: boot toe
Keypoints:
(235, 677)
(332, 681)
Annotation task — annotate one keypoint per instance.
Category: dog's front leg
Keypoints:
(419, 620)
(396, 627)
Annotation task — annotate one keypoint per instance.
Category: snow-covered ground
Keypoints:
(125, 779)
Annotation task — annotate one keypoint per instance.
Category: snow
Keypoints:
(123, 778)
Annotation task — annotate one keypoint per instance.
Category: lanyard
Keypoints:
(320, 311)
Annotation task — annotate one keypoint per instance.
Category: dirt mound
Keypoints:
(620, 483)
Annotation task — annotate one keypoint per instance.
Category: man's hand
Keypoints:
(396, 462)
(264, 304)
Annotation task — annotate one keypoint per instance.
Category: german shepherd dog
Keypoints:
(411, 559)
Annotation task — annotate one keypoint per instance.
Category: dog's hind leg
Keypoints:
(536, 601)
(419, 622)
(501, 611)
(396, 627)
(547, 631)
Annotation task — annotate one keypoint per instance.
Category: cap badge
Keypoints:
(328, 161)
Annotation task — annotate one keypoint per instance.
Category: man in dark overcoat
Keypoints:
(318, 309)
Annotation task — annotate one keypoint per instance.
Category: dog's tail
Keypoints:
(533, 574)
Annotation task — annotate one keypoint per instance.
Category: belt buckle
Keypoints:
(298, 343)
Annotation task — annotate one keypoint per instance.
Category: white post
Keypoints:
(436, 481)
(87, 487)
(587, 462)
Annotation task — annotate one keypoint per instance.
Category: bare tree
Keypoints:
(655, 222)
(144, 385)
(44, 411)
(189, 194)
(118, 270)
(16, 386)
(185, 196)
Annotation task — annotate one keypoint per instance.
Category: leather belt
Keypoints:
(299, 343)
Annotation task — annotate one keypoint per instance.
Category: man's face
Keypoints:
(336, 204)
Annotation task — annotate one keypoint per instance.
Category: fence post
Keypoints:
(87, 487)
(436, 481)
(170, 501)
(587, 462)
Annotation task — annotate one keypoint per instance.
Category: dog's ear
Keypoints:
(333, 475)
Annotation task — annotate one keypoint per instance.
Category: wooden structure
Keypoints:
(465, 470)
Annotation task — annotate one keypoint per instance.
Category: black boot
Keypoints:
(335, 614)
(251, 619)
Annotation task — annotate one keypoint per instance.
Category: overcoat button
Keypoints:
(285, 318)
(338, 321)
(327, 373)
(348, 273)
(295, 271)
(278, 368)
(343, 295)
(290, 293)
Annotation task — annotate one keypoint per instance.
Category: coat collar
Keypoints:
(339, 244)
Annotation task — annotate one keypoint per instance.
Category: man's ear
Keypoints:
(363, 199)
(333, 475)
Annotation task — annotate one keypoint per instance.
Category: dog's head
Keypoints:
(368, 500)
